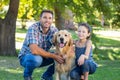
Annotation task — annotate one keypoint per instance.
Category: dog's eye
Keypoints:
(58, 34)
(65, 34)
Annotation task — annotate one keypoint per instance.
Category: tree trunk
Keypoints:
(64, 18)
(7, 30)
(59, 20)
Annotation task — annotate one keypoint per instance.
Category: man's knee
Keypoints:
(38, 61)
(33, 60)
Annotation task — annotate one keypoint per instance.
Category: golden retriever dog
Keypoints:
(64, 45)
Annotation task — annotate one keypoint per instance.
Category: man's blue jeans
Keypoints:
(30, 62)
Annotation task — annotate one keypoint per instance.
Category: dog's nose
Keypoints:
(61, 40)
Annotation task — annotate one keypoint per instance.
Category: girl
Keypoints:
(85, 64)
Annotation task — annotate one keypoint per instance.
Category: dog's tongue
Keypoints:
(61, 45)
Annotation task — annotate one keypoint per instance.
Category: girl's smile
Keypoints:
(83, 32)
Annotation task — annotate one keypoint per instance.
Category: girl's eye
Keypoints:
(84, 31)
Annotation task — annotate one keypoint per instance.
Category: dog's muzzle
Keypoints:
(62, 43)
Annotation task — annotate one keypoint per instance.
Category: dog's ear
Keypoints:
(70, 40)
(54, 40)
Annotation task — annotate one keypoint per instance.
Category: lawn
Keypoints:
(11, 70)
(107, 56)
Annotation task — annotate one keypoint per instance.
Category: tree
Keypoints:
(90, 11)
(84, 11)
(25, 12)
(7, 30)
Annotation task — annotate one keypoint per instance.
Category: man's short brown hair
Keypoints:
(46, 11)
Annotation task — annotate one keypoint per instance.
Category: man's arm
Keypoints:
(39, 51)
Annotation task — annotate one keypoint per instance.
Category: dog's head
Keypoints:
(62, 38)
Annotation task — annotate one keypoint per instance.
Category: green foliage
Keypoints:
(116, 20)
(105, 7)
(84, 10)
(25, 9)
(3, 8)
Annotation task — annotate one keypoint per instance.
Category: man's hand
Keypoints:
(59, 59)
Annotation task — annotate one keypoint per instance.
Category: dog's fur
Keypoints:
(64, 45)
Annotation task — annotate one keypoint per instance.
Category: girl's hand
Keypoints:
(81, 60)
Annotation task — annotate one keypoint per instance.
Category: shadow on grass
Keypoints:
(17, 74)
(106, 42)
(10, 75)
(107, 54)
(11, 70)
(107, 49)
(107, 70)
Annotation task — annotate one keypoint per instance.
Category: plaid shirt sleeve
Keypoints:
(32, 36)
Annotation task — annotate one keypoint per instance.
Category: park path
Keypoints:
(19, 44)
(114, 34)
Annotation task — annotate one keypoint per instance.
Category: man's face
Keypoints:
(46, 20)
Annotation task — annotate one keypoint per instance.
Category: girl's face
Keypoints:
(83, 32)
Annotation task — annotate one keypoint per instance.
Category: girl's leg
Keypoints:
(86, 75)
(92, 67)
(82, 77)
(89, 68)
(75, 74)
(86, 69)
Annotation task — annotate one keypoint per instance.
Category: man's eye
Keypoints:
(50, 17)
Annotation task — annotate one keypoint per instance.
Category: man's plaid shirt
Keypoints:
(35, 35)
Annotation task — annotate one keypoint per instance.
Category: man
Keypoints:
(34, 52)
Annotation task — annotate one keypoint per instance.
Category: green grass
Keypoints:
(18, 39)
(107, 41)
(20, 30)
(108, 48)
(10, 69)
(107, 70)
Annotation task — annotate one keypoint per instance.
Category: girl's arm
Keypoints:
(88, 47)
